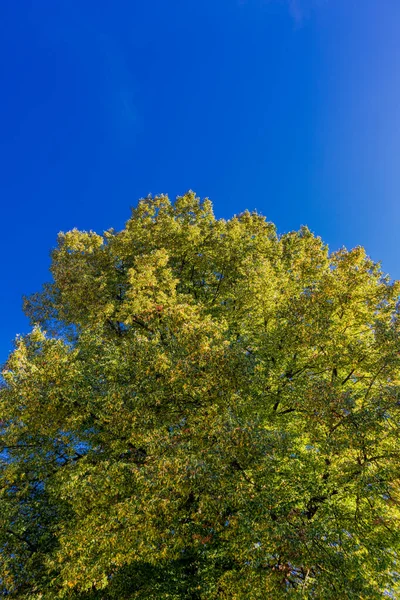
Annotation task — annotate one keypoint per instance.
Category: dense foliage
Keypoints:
(203, 410)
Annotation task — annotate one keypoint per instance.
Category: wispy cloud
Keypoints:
(120, 90)
(296, 11)
(299, 10)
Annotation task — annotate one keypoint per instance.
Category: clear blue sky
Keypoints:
(291, 107)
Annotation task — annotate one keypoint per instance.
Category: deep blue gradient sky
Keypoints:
(291, 107)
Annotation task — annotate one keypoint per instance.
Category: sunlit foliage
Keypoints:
(203, 409)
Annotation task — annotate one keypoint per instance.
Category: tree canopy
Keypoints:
(203, 409)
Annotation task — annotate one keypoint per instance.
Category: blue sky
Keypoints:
(291, 107)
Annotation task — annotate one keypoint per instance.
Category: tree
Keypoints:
(203, 409)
